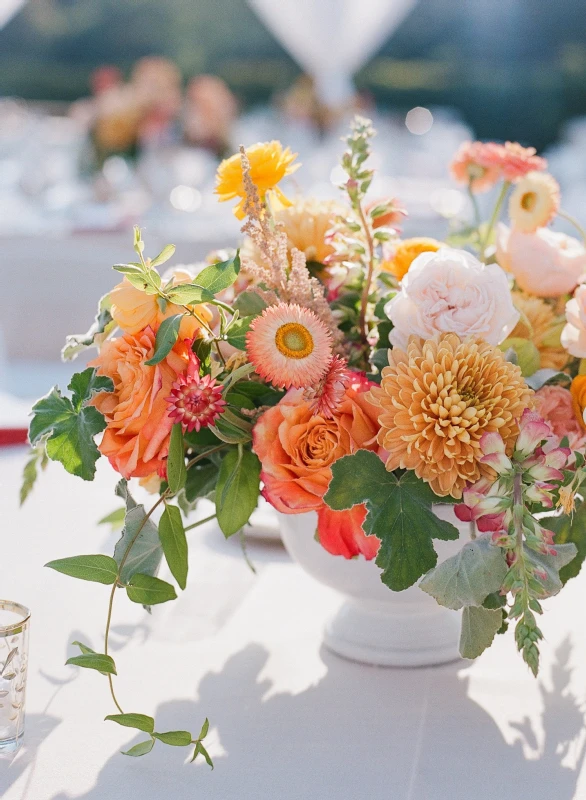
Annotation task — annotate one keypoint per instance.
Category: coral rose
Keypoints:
(133, 310)
(452, 292)
(563, 410)
(297, 448)
(138, 426)
(544, 263)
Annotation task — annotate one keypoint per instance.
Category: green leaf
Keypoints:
(69, 426)
(97, 661)
(98, 568)
(570, 529)
(140, 749)
(176, 471)
(165, 339)
(237, 332)
(148, 590)
(204, 729)
(543, 376)
(175, 738)
(200, 750)
(114, 518)
(528, 357)
(201, 481)
(83, 647)
(218, 277)
(174, 543)
(479, 627)
(467, 578)
(380, 358)
(250, 303)
(165, 254)
(146, 552)
(139, 721)
(189, 294)
(102, 327)
(551, 566)
(38, 458)
(399, 513)
(237, 490)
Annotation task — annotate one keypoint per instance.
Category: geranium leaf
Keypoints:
(148, 591)
(479, 627)
(102, 327)
(218, 277)
(165, 339)
(399, 513)
(467, 578)
(146, 552)
(237, 490)
(174, 543)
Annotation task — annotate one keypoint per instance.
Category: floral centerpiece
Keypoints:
(337, 368)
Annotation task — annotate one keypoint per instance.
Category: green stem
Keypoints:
(200, 522)
(573, 221)
(493, 220)
(474, 202)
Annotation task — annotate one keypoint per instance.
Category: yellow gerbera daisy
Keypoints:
(269, 164)
(405, 252)
(534, 202)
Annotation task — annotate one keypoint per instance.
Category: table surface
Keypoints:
(288, 719)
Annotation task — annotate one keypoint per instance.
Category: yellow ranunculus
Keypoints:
(269, 164)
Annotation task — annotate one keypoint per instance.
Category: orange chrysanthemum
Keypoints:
(269, 164)
(437, 400)
(404, 253)
(540, 325)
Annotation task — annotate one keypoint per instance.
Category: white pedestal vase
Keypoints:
(375, 625)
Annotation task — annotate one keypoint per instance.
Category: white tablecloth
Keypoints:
(289, 720)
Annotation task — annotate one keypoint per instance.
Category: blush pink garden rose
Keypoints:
(574, 333)
(555, 405)
(450, 291)
(297, 447)
(544, 263)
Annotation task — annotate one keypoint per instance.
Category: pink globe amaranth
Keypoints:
(544, 263)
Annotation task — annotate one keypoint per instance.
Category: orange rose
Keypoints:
(578, 390)
(136, 439)
(134, 310)
(297, 448)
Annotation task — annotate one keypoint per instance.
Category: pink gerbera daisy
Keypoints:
(289, 346)
(477, 164)
(195, 401)
(517, 161)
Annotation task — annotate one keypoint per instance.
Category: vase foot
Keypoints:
(374, 634)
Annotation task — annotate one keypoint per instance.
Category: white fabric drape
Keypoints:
(332, 39)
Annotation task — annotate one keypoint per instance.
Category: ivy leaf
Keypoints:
(148, 590)
(570, 529)
(102, 327)
(69, 425)
(189, 294)
(146, 552)
(176, 471)
(250, 303)
(139, 721)
(479, 627)
(165, 339)
(467, 578)
(175, 738)
(399, 513)
(140, 749)
(237, 332)
(98, 661)
(237, 490)
(218, 277)
(550, 566)
(98, 568)
(174, 543)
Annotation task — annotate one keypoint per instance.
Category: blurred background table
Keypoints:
(288, 719)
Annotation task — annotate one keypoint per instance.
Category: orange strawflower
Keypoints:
(436, 401)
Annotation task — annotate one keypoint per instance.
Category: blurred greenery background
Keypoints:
(514, 68)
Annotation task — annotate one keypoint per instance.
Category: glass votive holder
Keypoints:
(14, 628)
